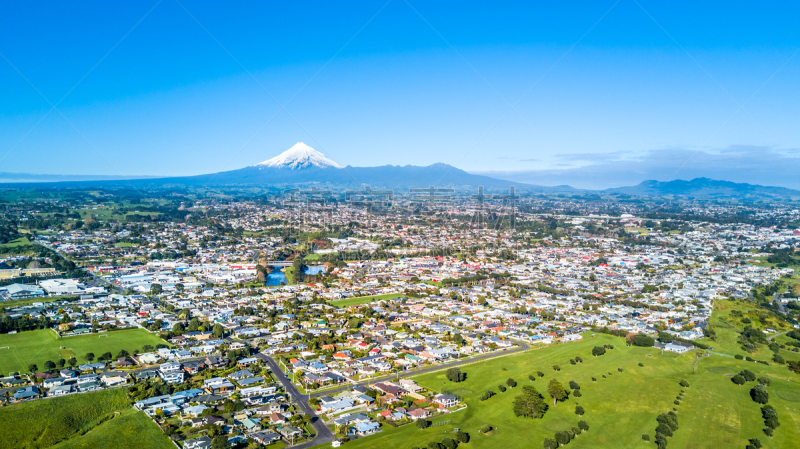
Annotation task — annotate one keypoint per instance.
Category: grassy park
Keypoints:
(363, 300)
(618, 408)
(22, 349)
(97, 419)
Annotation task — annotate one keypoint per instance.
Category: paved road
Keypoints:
(324, 434)
(522, 347)
(773, 336)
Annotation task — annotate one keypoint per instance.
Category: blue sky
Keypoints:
(185, 88)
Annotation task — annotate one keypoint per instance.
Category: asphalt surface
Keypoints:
(324, 434)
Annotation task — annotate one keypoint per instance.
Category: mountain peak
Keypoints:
(299, 155)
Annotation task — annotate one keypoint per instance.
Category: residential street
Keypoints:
(324, 435)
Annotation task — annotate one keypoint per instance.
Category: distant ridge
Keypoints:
(705, 188)
(302, 165)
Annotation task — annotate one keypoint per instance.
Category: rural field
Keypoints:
(39, 346)
(90, 420)
(715, 413)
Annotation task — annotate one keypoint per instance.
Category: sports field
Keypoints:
(715, 413)
(22, 349)
(363, 300)
(89, 420)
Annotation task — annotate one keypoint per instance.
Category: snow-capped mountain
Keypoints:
(299, 156)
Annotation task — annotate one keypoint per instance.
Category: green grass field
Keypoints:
(39, 346)
(728, 327)
(15, 243)
(363, 300)
(129, 429)
(619, 408)
(97, 419)
(26, 302)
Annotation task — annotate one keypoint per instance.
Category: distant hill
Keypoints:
(705, 188)
(303, 166)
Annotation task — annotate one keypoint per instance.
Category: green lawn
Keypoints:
(96, 419)
(727, 328)
(619, 408)
(15, 243)
(128, 429)
(26, 302)
(363, 300)
(39, 346)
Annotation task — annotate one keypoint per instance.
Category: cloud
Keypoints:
(739, 163)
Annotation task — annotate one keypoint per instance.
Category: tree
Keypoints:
(748, 375)
(449, 443)
(178, 328)
(643, 340)
(218, 331)
(663, 428)
(155, 289)
(550, 443)
(759, 394)
(485, 428)
(90, 356)
(220, 442)
(598, 350)
(72, 361)
(766, 381)
(579, 410)
(33, 368)
(511, 383)
(49, 365)
(583, 426)
(754, 443)
(661, 441)
(462, 437)
(434, 445)
(122, 353)
(684, 383)
(574, 385)
(422, 424)
(738, 379)
(646, 437)
(556, 391)
(562, 438)
(455, 375)
(530, 403)
(502, 388)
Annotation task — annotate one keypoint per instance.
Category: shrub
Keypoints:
(765, 381)
(556, 367)
(768, 432)
(574, 385)
(502, 388)
(641, 364)
(619, 369)
(579, 410)
(677, 402)
(578, 359)
(531, 377)
(646, 437)
(738, 357)
(577, 393)
(572, 362)
(541, 374)
(684, 383)
(594, 379)
(550, 443)
(486, 428)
